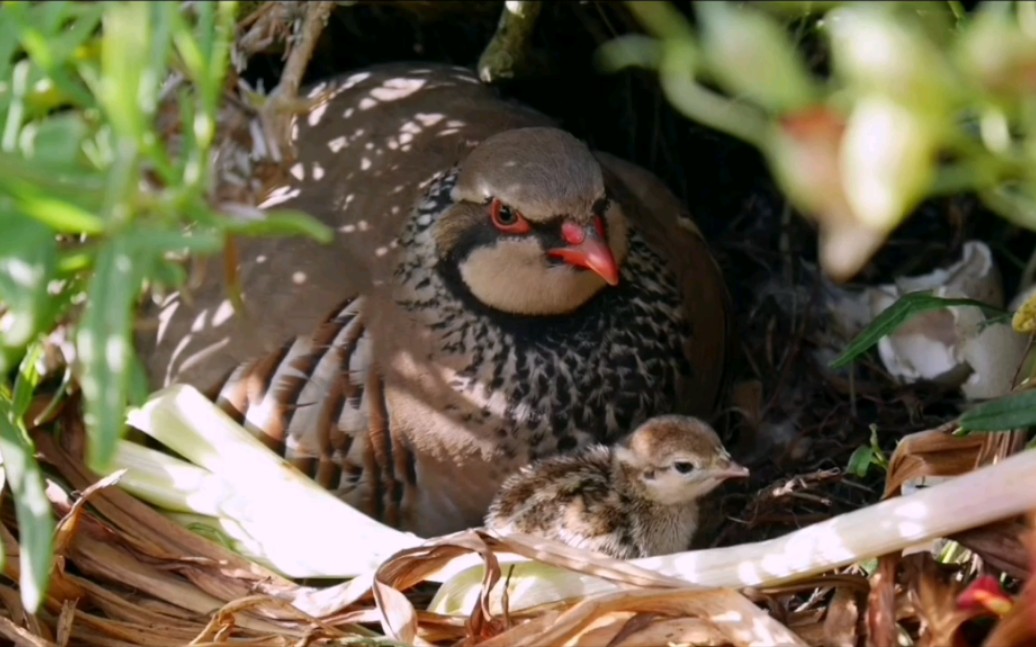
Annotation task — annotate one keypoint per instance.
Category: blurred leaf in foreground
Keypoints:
(1003, 414)
(35, 519)
(28, 260)
(921, 100)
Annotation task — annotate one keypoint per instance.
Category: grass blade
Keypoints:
(35, 519)
(28, 261)
(105, 350)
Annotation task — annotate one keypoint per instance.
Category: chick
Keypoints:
(635, 499)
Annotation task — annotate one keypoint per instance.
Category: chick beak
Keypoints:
(731, 471)
(588, 247)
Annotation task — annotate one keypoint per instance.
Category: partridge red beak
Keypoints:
(588, 247)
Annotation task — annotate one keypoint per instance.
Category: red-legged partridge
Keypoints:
(636, 498)
(498, 293)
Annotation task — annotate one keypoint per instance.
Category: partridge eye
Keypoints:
(508, 220)
(683, 467)
(506, 216)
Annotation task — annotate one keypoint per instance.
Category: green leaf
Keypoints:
(154, 242)
(168, 274)
(890, 319)
(125, 86)
(27, 381)
(61, 215)
(55, 141)
(632, 50)
(35, 519)
(50, 40)
(662, 19)
(1003, 414)
(867, 456)
(8, 41)
(15, 88)
(281, 223)
(104, 342)
(750, 54)
(158, 251)
(20, 176)
(861, 461)
(28, 261)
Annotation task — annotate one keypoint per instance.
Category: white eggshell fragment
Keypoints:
(953, 346)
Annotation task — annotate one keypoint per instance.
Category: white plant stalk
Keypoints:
(270, 507)
(168, 482)
(985, 495)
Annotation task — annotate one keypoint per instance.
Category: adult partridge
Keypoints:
(497, 293)
(636, 498)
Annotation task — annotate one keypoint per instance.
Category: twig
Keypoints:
(506, 52)
(313, 25)
(283, 100)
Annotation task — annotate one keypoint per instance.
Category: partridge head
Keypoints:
(532, 229)
(636, 499)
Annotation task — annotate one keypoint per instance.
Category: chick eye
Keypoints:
(683, 467)
(508, 220)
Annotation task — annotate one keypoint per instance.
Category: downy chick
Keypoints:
(635, 499)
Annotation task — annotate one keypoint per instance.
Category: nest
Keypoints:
(127, 575)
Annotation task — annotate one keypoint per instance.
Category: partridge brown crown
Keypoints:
(498, 293)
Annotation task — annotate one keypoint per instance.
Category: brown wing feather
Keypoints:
(319, 402)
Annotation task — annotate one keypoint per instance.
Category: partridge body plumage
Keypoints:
(636, 498)
(498, 293)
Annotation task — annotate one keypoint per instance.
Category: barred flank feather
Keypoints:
(319, 404)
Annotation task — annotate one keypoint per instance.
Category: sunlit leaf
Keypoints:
(45, 31)
(8, 39)
(60, 215)
(27, 380)
(155, 242)
(28, 260)
(105, 347)
(124, 79)
(55, 141)
(35, 519)
(279, 223)
(169, 274)
(752, 55)
(20, 176)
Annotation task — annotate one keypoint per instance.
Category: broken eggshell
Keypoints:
(953, 346)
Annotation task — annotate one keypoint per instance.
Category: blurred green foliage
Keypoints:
(899, 101)
(96, 206)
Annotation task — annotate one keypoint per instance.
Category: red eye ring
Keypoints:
(508, 220)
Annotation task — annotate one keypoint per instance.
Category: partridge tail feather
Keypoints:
(318, 402)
